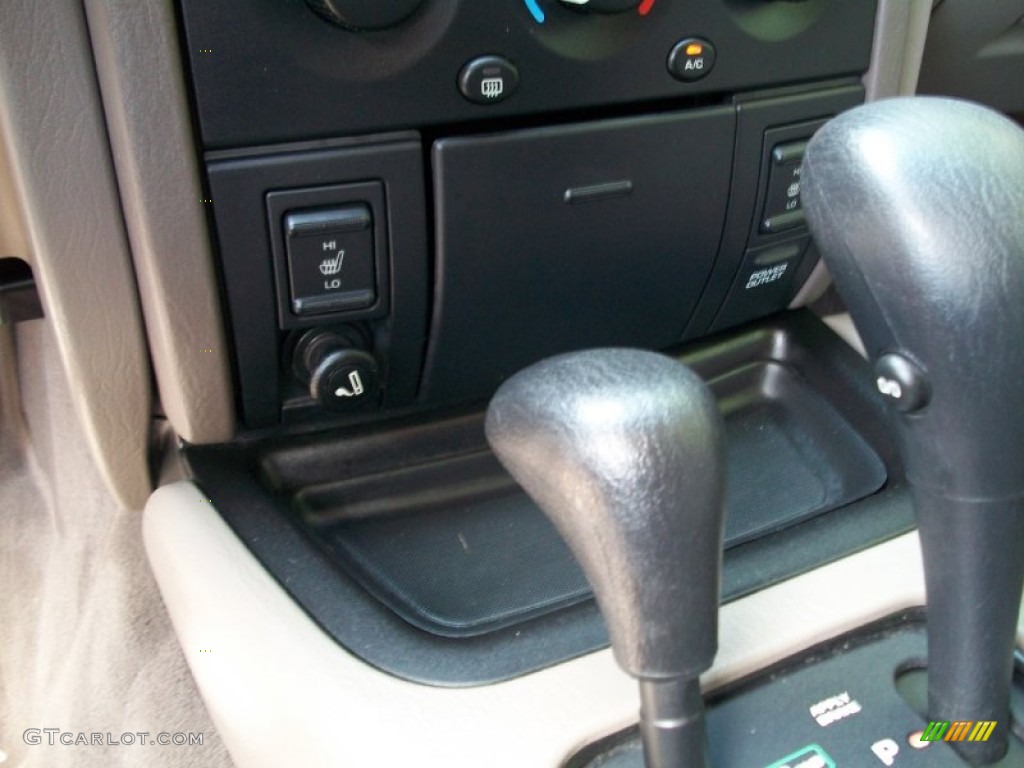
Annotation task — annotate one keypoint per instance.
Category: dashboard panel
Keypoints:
(268, 72)
(549, 176)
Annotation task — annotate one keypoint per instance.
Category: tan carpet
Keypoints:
(86, 646)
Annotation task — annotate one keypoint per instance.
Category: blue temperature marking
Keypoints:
(535, 10)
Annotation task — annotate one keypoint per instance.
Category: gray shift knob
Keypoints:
(918, 208)
(623, 450)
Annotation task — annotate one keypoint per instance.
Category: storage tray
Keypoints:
(411, 547)
(455, 548)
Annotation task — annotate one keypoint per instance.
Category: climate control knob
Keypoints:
(365, 14)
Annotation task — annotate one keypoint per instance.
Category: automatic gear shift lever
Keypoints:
(623, 450)
(918, 208)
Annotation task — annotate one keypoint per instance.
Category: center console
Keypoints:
(410, 202)
(411, 206)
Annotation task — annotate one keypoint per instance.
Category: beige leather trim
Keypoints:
(12, 231)
(143, 89)
(282, 693)
(55, 142)
(1020, 625)
(901, 27)
(843, 326)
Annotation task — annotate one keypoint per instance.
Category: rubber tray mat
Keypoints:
(454, 548)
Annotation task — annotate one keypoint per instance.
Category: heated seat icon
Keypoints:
(332, 266)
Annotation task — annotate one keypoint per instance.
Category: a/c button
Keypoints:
(691, 59)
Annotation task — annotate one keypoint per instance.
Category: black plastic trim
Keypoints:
(19, 297)
(239, 186)
(796, 114)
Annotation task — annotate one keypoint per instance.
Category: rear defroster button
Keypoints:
(488, 79)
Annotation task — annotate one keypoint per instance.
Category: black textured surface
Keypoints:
(621, 270)
(775, 484)
(459, 563)
(465, 569)
(791, 455)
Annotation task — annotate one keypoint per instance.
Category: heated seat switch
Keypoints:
(342, 375)
(782, 208)
(331, 265)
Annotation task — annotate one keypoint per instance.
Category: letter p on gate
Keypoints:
(886, 751)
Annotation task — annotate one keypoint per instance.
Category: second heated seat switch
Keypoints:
(330, 259)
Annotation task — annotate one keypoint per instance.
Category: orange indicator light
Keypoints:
(694, 49)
